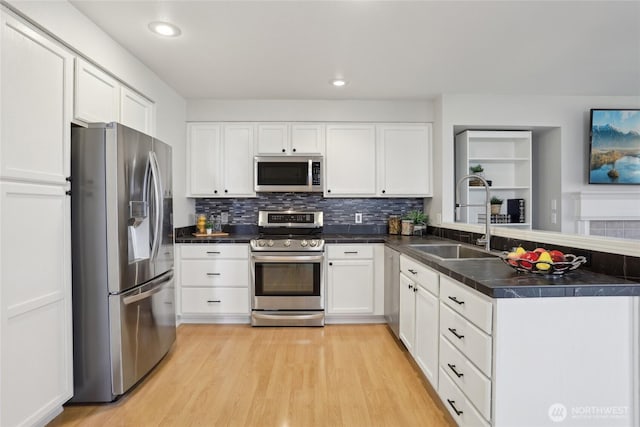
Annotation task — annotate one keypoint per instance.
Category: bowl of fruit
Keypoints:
(542, 261)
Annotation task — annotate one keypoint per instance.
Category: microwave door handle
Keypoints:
(310, 175)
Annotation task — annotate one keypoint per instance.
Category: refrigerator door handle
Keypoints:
(157, 188)
(157, 287)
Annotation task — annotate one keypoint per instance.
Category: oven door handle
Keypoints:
(285, 258)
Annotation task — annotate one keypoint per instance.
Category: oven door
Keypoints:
(287, 281)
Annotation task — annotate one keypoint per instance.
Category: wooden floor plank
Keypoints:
(236, 375)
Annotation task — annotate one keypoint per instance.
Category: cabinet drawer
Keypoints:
(471, 341)
(462, 411)
(224, 272)
(349, 251)
(215, 301)
(417, 272)
(475, 386)
(467, 303)
(240, 251)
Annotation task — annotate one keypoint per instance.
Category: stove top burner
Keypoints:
(289, 231)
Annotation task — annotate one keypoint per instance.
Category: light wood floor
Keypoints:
(236, 375)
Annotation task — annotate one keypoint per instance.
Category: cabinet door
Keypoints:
(350, 161)
(404, 160)
(35, 322)
(350, 287)
(307, 138)
(237, 160)
(407, 312)
(204, 146)
(273, 138)
(97, 95)
(425, 349)
(35, 106)
(136, 111)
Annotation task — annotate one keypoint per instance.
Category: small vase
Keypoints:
(209, 230)
(495, 209)
(407, 227)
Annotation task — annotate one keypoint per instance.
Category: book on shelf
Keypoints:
(516, 209)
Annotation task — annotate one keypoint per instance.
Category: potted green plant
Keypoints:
(476, 170)
(414, 220)
(209, 227)
(496, 205)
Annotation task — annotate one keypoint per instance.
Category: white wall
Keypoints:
(547, 179)
(569, 113)
(74, 29)
(202, 110)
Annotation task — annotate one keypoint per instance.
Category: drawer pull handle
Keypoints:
(350, 252)
(410, 286)
(453, 406)
(213, 274)
(413, 271)
(214, 252)
(213, 300)
(453, 368)
(456, 300)
(454, 332)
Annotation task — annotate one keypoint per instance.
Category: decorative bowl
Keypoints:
(570, 263)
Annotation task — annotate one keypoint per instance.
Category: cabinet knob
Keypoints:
(328, 191)
(330, 263)
(415, 289)
(294, 150)
(226, 191)
(384, 191)
(284, 151)
(410, 287)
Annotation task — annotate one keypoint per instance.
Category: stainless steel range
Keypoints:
(287, 265)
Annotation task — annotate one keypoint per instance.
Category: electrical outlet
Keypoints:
(359, 218)
(224, 217)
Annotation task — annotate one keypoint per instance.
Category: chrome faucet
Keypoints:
(486, 239)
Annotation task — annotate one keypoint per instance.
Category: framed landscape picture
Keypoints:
(615, 146)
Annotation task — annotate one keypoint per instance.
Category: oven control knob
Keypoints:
(313, 243)
(261, 243)
(270, 243)
(303, 243)
(287, 243)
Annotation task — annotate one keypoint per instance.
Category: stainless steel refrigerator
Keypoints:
(122, 255)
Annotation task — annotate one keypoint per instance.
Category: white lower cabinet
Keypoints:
(355, 279)
(419, 315)
(214, 282)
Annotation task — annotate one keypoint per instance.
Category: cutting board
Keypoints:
(210, 235)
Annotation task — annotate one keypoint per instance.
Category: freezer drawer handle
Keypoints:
(455, 332)
(453, 406)
(453, 368)
(146, 294)
(213, 300)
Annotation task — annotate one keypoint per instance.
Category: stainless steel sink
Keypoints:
(451, 252)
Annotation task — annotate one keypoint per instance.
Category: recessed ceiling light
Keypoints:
(165, 29)
(338, 82)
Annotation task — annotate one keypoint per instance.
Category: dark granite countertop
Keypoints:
(489, 276)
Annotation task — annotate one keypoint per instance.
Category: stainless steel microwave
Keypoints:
(288, 174)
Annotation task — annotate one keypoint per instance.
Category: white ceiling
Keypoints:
(385, 50)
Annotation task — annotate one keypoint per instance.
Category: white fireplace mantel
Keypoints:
(605, 206)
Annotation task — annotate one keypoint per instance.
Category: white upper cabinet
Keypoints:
(37, 79)
(350, 161)
(97, 95)
(290, 139)
(220, 160)
(136, 111)
(404, 160)
(101, 98)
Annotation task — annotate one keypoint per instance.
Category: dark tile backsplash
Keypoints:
(336, 211)
(621, 266)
